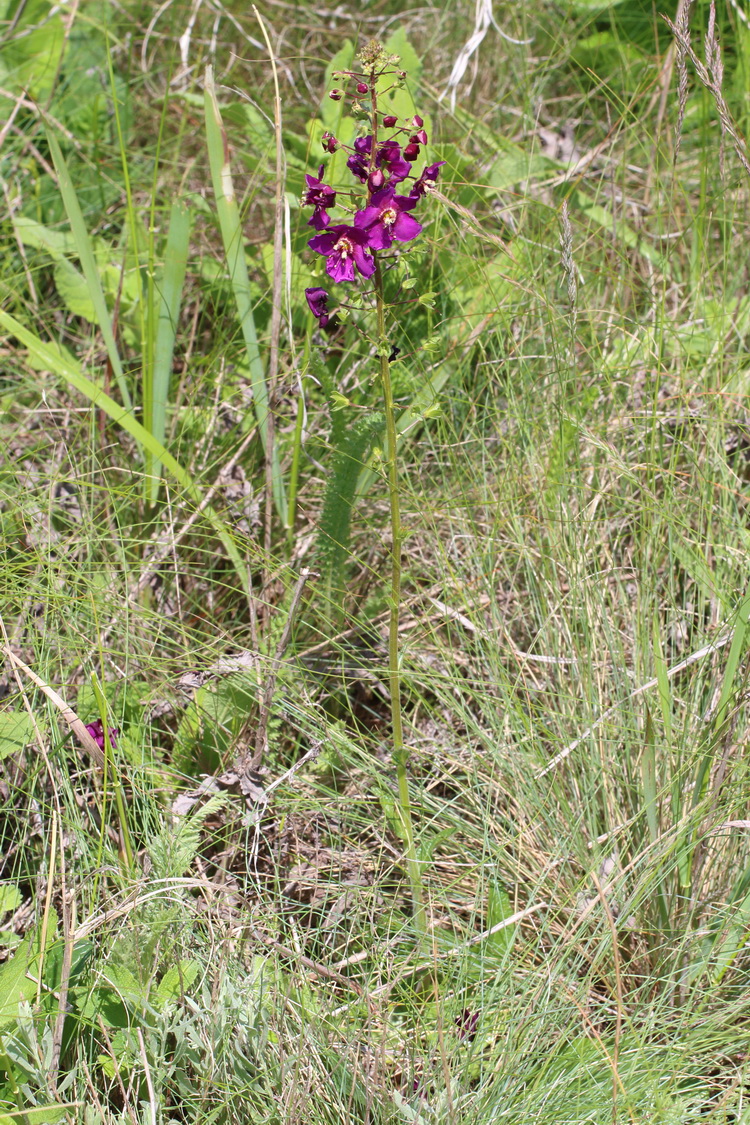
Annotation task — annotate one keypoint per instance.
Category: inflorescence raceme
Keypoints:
(381, 216)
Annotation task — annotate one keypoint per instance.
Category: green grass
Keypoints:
(177, 947)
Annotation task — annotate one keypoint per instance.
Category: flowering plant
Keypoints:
(378, 215)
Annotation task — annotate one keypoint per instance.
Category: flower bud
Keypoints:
(375, 180)
(362, 88)
(402, 75)
(390, 120)
(330, 144)
(411, 152)
(419, 138)
(417, 121)
(335, 95)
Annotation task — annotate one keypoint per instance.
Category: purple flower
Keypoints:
(386, 219)
(320, 196)
(345, 247)
(359, 162)
(96, 730)
(429, 177)
(317, 299)
(389, 154)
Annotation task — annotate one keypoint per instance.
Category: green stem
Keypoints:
(400, 753)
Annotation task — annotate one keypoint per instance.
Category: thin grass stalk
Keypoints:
(272, 463)
(110, 767)
(88, 265)
(168, 301)
(400, 753)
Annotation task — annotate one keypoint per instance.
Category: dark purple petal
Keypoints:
(364, 261)
(365, 218)
(317, 299)
(96, 730)
(411, 152)
(389, 155)
(363, 145)
(340, 268)
(320, 219)
(345, 247)
(429, 176)
(358, 166)
(386, 218)
(405, 228)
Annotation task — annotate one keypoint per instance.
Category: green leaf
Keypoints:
(85, 251)
(10, 898)
(38, 1114)
(18, 976)
(175, 983)
(16, 730)
(74, 291)
(30, 58)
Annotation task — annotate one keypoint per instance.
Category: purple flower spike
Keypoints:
(96, 730)
(427, 180)
(386, 219)
(320, 196)
(345, 247)
(317, 299)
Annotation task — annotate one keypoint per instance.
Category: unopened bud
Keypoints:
(335, 95)
(390, 121)
(402, 75)
(362, 88)
(375, 180)
(419, 138)
(411, 152)
(417, 121)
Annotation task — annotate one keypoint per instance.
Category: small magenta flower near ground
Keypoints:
(96, 730)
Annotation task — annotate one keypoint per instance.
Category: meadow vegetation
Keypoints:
(209, 910)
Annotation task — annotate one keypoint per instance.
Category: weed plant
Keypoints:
(207, 896)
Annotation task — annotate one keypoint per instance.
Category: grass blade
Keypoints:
(69, 369)
(231, 233)
(85, 253)
(169, 301)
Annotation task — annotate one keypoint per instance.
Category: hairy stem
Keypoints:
(400, 753)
